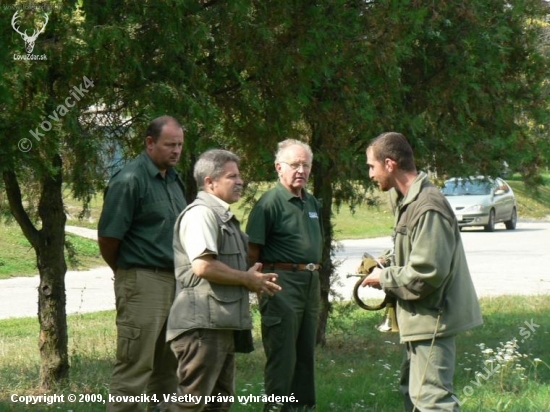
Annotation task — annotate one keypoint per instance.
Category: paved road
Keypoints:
(502, 262)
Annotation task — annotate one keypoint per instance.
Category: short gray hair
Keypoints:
(211, 164)
(285, 144)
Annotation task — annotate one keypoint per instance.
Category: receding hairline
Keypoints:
(157, 125)
(285, 145)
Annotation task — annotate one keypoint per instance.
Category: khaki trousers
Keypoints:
(430, 391)
(144, 362)
(206, 367)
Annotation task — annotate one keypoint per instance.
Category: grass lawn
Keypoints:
(17, 257)
(358, 369)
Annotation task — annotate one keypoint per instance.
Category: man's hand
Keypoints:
(262, 282)
(108, 247)
(373, 280)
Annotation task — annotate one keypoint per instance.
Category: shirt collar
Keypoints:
(153, 170)
(413, 191)
(221, 202)
(287, 194)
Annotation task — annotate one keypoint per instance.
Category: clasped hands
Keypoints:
(262, 282)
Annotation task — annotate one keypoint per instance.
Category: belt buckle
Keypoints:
(310, 267)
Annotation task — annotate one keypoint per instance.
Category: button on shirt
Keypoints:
(140, 209)
(287, 226)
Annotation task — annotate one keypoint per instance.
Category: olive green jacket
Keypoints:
(198, 302)
(429, 273)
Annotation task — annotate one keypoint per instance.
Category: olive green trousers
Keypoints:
(289, 328)
(427, 376)
(144, 362)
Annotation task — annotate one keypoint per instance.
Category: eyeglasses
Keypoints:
(296, 166)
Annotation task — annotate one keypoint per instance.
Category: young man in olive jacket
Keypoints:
(427, 273)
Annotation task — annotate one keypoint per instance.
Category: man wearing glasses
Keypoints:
(286, 235)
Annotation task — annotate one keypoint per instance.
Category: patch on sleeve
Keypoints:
(313, 215)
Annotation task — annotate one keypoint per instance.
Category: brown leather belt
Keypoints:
(154, 268)
(292, 266)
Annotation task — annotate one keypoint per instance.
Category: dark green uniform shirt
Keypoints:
(288, 228)
(140, 209)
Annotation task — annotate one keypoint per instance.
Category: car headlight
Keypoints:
(475, 208)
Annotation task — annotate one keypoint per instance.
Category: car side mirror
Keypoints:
(499, 192)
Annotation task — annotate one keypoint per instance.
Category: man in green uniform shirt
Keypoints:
(142, 202)
(286, 236)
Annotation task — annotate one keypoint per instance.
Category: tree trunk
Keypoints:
(322, 189)
(49, 244)
(52, 315)
(328, 267)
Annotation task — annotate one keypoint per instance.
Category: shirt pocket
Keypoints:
(401, 230)
(155, 212)
(232, 250)
(229, 243)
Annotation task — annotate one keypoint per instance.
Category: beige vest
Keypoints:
(199, 303)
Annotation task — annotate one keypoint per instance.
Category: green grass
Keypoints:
(75, 214)
(364, 222)
(17, 257)
(533, 204)
(357, 370)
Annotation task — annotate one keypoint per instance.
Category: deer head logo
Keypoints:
(29, 40)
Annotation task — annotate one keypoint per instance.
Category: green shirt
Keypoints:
(288, 228)
(140, 209)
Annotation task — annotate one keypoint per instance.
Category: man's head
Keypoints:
(388, 155)
(217, 172)
(164, 142)
(293, 162)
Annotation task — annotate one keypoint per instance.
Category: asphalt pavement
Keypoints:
(503, 262)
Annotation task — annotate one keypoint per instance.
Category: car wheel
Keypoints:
(490, 226)
(511, 224)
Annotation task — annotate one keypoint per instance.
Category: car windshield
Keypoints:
(461, 187)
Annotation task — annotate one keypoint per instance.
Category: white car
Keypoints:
(481, 201)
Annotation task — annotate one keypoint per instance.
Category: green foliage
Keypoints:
(467, 72)
(465, 80)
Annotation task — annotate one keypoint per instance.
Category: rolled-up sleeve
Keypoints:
(199, 232)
